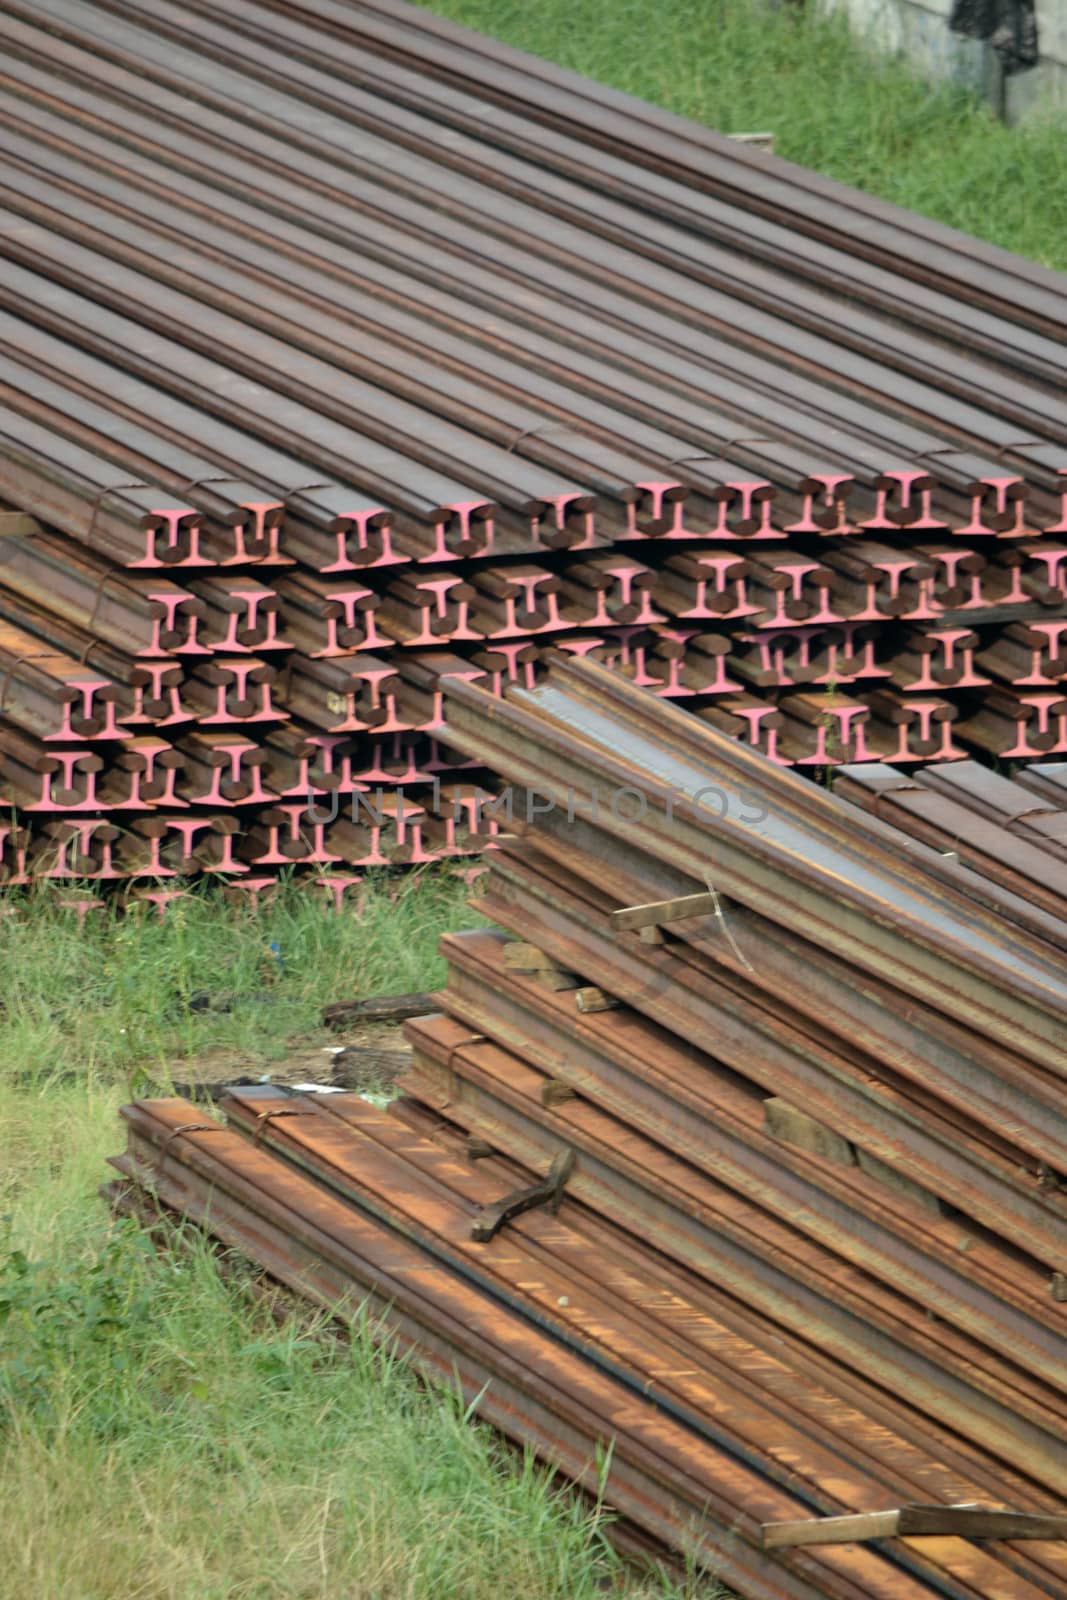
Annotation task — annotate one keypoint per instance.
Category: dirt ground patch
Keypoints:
(368, 1056)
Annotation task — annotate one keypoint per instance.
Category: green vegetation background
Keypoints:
(160, 1437)
(743, 66)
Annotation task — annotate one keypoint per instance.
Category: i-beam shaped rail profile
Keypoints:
(964, 1521)
(548, 1192)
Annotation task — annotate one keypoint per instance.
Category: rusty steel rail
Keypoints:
(785, 1223)
(151, 617)
(366, 1157)
(86, 13)
(411, 334)
(815, 205)
(517, 1375)
(146, 429)
(287, 37)
(153, 52)
(978, 817)
(395, 375)
(737, 1243)
(347, 1205)
(805, 865)
(701, 1112)
(937, 1143)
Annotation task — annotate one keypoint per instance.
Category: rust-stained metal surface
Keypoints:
(346, 351)
(1011, 832)
(784, 1225)
(587, 736)
(574, 1344)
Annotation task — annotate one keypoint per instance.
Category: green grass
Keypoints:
(161, 1437)
(166, 1440)
(113, 997)
(747, 67)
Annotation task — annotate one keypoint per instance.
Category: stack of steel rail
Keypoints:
(1012, 832)
(778, 1217)
(345, 349)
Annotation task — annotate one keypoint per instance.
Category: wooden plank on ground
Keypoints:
(379, 1008)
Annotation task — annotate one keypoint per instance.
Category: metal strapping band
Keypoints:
(187, 1127)
(883, 796)
(197, 483)
(302, 488)
(887, 795)
(263, 1117)
(450, 1063)
(724, 925)
(98, 503)
(1028, 811)
(755, 439)
(535, 433)
(94, 644)
(98, 595)
(283, 684)
(681, 461)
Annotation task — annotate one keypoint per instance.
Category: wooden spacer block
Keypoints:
(897, 1180)
(593, 999)
(792, 1126)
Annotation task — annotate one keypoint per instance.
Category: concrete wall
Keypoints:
(1046, 86)
(918, 29)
